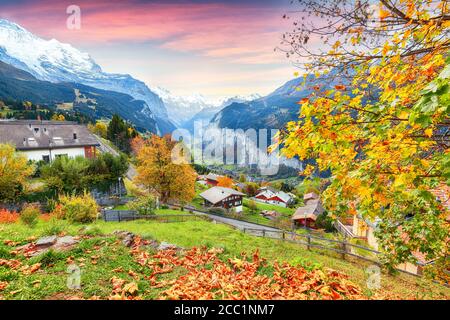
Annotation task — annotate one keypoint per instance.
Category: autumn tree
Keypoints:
(380, 123)
(136, 144)
(251, 189)
(99, 128)
(160, 171)
(14, 171)
(58, 117)
(224, 182)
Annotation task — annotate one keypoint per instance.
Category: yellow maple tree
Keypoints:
(158, 172)
(382, 129)
(14, 171)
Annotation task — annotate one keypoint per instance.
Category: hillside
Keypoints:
(19, 85)
(56, 62)
(274, 110)
(113, 270)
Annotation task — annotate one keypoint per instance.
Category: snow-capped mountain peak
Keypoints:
(47, 60)
(53, 61)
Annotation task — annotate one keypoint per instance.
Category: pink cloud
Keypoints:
(216, 30)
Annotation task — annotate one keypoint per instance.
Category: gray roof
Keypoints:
(284, 196)
(269, 193)
(213, 176)
(217, 194)
(35, 134)
(311, 210)
(311, 195)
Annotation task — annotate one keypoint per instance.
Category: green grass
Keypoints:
(113, 256)
(121, 207)
(158, 211)
(271, 207)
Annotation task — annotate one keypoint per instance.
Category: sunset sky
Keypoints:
(214, 47)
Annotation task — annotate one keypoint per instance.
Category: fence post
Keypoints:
(118, 215)
(244, 229)
(309, 242)
(344, 248)
(264, 232)
(284, 235)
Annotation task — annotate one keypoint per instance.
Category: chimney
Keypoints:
(74, 136)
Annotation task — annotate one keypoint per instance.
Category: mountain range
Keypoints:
(19, 85)
(274, 110)
(56, 62)
(71, 76)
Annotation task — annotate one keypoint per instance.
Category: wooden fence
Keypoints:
(343, 248)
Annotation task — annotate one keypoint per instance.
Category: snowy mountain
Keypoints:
(53, 61)
(239, 99)
(185, 110)
(181, 108)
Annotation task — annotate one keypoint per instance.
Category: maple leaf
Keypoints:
(3, 285)
(30, 269)
(130, 288)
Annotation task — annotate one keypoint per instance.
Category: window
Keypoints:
(46, 158)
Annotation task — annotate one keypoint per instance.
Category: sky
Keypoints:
(217, 48)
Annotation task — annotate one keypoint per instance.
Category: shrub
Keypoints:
(143, 205)
(73, 208)
(7, 216)
(30, 214)
(45, 217)
(252, 206)
(54, 227)
(325, 222)
(217, 210)
(164, 206)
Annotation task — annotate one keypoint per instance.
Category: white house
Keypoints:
(272, 196)
(47, 140)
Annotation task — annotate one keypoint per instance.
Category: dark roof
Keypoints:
(35, 134)
(217, 194)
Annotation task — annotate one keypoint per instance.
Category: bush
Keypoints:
(252, 206)
(70, 175)
(325, 222)
(164, 206)
(73, 208)
(143, 205)
(54, 227)
(217, 210)
(7, 216)
(30, 214)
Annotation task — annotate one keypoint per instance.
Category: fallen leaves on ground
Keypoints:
(15, 264)
(3, 285)
(123, 290)
(208, 277)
